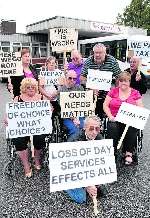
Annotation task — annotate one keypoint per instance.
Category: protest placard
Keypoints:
(100, 80)
(132, 115)
(28, 118)
(10, 64)
(140, 48)
(63, 39)
(77, 104)
(51, 77)
(81, 164)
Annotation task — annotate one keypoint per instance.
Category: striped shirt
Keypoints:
(110, 64)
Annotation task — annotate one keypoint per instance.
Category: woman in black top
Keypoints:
(28, 72)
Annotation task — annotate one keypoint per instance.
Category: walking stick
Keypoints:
(122, 137)
(95, 206)
(32, 146)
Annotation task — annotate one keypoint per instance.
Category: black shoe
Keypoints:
(101, 191)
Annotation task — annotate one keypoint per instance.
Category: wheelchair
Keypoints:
(119, 153)
(10, 166)
(13, 165)
(59, 134)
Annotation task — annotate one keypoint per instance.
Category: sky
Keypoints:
(26, 12)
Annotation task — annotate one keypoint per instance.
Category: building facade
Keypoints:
(37, 38)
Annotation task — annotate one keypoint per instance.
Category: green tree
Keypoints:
(137, 14)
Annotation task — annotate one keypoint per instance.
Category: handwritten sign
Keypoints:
(10, 64)
(51, 77)
(100, 80)
(76, 104)
(63, 39)
(132, 115)
(28, 118)
(140, 48)
(81, 164)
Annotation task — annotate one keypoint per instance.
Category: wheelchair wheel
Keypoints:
(46, 152)
(9, 169)
(56, 133)
(104, 127)
(140, 140)
(9, 146)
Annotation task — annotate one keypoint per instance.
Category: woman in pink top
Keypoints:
(112, 103)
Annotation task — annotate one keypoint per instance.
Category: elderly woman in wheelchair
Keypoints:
(122, 93)
(29, 92)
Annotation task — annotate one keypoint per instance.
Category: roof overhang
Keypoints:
(86, 28)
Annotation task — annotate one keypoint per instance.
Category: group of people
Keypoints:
(129, 87)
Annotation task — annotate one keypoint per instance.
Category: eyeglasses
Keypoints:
(92, 128)
(72, 78)
(30, 87)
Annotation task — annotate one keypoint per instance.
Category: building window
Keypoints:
(5, 43)
(25, 44)
(43, 51)
(5, 46)
(16, 48)
(6, 49)
(35, 52)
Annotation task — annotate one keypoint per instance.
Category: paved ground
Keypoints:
(129, 197)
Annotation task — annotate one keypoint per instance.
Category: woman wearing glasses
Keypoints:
(112, 103)
(29, 92)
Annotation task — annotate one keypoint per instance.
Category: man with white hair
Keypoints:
(102, 61)
(138, 80)
(91, 131)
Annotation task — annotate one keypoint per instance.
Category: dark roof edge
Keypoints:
(57, 17)
(52, 18)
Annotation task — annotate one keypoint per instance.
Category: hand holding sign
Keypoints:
(80, 164)
(63, 39)
(10, 64)
(76, 104)
(28, 118)
(131, 115)
(99, 80)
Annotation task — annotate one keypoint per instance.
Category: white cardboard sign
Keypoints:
(77, 104)
(100, 80)
(63, 39)
(132, 115)
(140, 48)
(81, 164)
(51, 77)
(10, 64)
(28, 118)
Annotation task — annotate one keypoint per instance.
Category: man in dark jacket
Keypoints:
(138, 80)
(91, 131)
